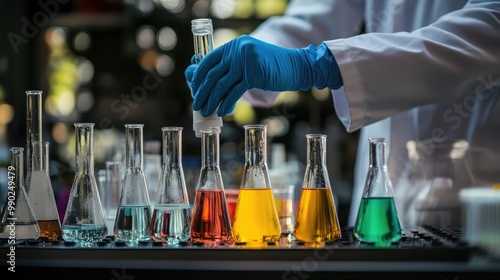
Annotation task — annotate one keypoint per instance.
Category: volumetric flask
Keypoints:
(210, 223)
(41, 193)
(256, 219)
(316, 220)
(172, 214)
(17, 220)
(377, 221)
(84, 218)
(134, 213)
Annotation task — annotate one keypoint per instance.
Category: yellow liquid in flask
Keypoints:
(256, 219)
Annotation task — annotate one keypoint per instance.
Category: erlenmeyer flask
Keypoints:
(317, 221)
(377, 221)
(256, 219)
(210, 223)
(41, 193)
(134, 213)
(172, 214)
(84, 218)
(17, 208)
(112, 193)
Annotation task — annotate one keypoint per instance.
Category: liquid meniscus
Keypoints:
(210, 222)
(256, 218)
(316, 220)
(378, 221)
(132, 223)
(84, 233)
(171, 223)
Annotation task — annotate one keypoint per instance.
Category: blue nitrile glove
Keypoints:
(225, 73)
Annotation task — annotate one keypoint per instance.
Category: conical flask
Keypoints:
(134, 213)
(41, 193)
(84, 218)
(377, 221)
(317, 221)
(210, 223)
(17, 220)
(256, 219)
(172, 213)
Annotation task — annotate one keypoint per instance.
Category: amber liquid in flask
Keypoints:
(171, 213)
(317, 221)
(84, 220)
(21, 213)
(210, 223)
(377, 221)
(133, 218)
(256, 220)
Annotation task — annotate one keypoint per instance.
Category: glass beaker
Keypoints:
(438, 172)
(134, 213)
(17, 220)
(284, 198)
(84, 221)
(112, 193)
(41, 193)
(210, 223)
(256, 218)
(33, 128)
(317, 221)
(378, 220)
(203, 42)
(172, 213)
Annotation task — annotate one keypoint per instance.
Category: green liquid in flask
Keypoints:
(378, 221)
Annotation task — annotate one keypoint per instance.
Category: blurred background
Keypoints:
(113, 62)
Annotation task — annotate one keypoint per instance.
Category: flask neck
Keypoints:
(202, 30)
(210, 148)
(134, 146)
(377, 153)
(17, 163)
(40, 156)
(172, 145)
(316, 151)
(255, 145)
(85, 147)
(33, 122)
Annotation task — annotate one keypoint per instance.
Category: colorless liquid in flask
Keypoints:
(84, 218)
(17, 208)
(134, 213)
(171, 214)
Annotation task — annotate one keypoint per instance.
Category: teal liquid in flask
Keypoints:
(378, 221)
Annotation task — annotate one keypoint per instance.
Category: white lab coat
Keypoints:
(423, 70)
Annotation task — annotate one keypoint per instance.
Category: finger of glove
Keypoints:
(227, 105)
(205, 66)
(220, 91)
(207, 85)
(188, 74)
(193, 59)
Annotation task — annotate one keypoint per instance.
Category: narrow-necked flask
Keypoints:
(112, 193)
(17, 220)
(41, 193)
(256, 219)
(377, 221)
(172, 213)
(316, 220)
(210, 223)
(84, 218)
(134, 213)
(33, 128)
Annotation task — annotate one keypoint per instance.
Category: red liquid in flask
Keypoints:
(210, 221)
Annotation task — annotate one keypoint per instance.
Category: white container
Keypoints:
(481, 218)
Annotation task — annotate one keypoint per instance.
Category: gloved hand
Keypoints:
(225, 73)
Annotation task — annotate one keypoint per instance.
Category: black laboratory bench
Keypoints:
(422, 253)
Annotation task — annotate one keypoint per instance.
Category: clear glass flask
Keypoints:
(172, 213)
(317, 221)
(203, 40)
(83, 221)
(210, 223)
(112, 192)
(256, 218)
(17, 208)
(33, 128)
(134, 213)
(41, 193)
(378, 220)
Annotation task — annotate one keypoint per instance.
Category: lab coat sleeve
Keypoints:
(307, 22)
(385, 74)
